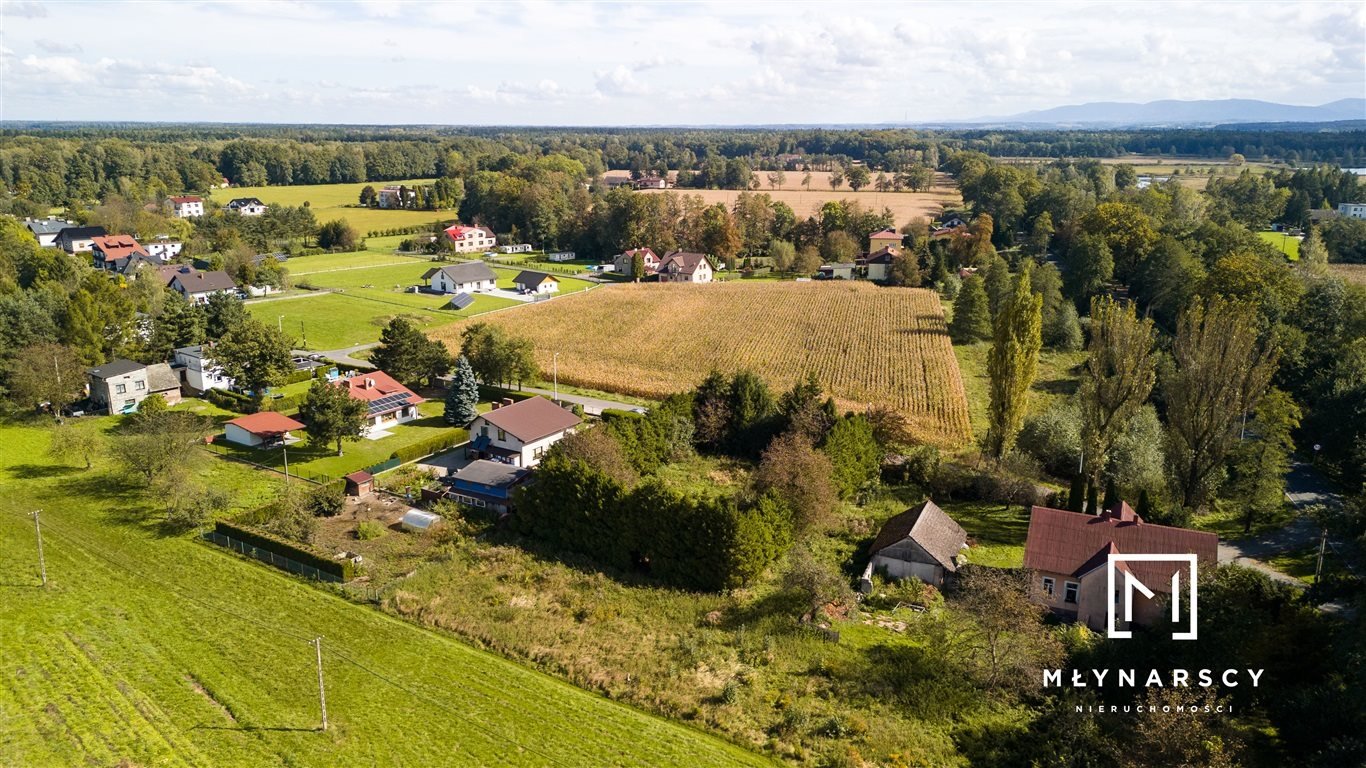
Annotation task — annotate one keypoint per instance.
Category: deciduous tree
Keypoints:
(47, 373)
(1117, 377)
(1012, 363)
(331, 414)
(255, 356)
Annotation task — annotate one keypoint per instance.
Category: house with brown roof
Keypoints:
(389, 402)
(113, 252)
(921, 543)
(624, 263)
(263, 428)
(879, 263)
(1069, 554)
(685, 267)
(520, 433)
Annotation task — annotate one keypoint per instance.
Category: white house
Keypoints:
(465, 277)
(198, 373)
(198, 286)
(187, 206)
(389, 402)
(520, 433)
(163, 249)
(625, 261)
(246, 206)
(684, 267)
(45, 230)
(536, 282)
(560, 256)
(471, 239)
(264, 428)
(394, 196)
(518, 248)
(1352, 210)
(76, 240)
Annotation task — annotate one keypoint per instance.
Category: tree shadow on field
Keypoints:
(41, 471)
(1056, 386)
(923, 332)
(257, 728)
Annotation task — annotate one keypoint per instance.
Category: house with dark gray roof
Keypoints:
(75, 240)
(465, 277)
(246, 206)
(486, 484)
(118, 386)
(922, 543)
(528, 281)
(45, 230)
(198, 286)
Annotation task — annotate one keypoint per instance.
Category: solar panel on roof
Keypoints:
(461, 300)
(387, 402)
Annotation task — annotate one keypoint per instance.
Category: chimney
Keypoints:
(495, 405)
(369, 383)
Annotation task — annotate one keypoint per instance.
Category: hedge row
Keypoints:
(427, 447)
(344, 569)
(230, 400)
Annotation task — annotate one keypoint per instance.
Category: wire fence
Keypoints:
(266, 556)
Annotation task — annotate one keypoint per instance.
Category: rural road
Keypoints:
(342, 355)
(591, 405)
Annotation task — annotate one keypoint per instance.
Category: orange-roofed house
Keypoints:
(390, 403)
(1069, 553)
(114, 253)
(261, 429)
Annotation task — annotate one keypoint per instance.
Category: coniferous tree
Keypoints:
(462, 397)
(406, 353)
(971, 313)
(1012, 363)
(332, 414)
(998, 283)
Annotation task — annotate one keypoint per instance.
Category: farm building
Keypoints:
(470, 239)
(835, 272)
(923, 543)
(486, 484)
(161, 380)
(685, 267)
(266, 428)
(520, 433)
(536, 282)
(1069, 553)
(465, 277)
(390, 403)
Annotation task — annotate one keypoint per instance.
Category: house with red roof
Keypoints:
(186, 206)
(389, 402)
(261, 429)
(1069, 555)
(685, 267)
(113, 252)
(471, 239)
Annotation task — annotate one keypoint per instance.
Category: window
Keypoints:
(502, 435)
(484, 430)
(1069, 592)
(1048, 586)
(120, 389)
(139, 385)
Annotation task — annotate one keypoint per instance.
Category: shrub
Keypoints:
(344, 569)
(370, 529)
(327, 500)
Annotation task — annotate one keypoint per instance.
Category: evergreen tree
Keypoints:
(332, 414)
(971, 313)
(997, 283)
(1012, 363)
(406, 353)
(180, 324)
(81, 328)
(222, 313)
(1076, 495)
(854, 454)
(462, 396)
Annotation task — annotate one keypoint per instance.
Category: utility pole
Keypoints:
(43, 563)
(555, 364)
(1318, 567)
(285, 449)
(322, 691)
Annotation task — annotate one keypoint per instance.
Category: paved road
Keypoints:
(591, 405)
(342, 355)
(1304, 487)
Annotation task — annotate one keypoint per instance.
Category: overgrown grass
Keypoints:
(1057, 379)
(1227, 520)
(153, 649)
(338, 201)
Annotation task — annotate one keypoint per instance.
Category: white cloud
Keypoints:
(619, 81)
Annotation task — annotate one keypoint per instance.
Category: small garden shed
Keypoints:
(360, 484)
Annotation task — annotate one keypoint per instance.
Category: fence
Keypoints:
(236, 454)
(266, 556)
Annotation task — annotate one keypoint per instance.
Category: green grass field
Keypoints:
(338, 201)
(152, 649)
(1284, 243)
(1054, 381)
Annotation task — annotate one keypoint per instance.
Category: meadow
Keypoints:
(338, 201)
(149, 648)
(865, 344)
(1352, 273)
(1284, 243)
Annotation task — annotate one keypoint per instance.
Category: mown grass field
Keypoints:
(368, 289)
(151, 649)
(865, 344)
(1284, 243)
(338, 201)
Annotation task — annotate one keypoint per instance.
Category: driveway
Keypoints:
(593, 406)
(448, 463)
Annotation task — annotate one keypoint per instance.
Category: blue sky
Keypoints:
(543, 63)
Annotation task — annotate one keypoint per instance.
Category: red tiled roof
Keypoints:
(116, 247)
(373, 385)
(359, 476)
(531, 419)
(1075, 543)
(267, 423)
(886, 234)
(460, 232)
(186, 199)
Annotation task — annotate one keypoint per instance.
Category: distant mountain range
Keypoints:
(1170, 112)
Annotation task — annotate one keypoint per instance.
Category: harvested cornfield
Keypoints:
(864, 343)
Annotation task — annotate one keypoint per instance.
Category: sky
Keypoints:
(658, 63)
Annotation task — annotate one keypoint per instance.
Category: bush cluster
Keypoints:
(344, 569)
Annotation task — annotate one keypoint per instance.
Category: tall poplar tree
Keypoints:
(1012, 362)
(1118, 376)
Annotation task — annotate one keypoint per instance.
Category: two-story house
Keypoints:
(112, 253)
(76, 240)
(1069, 554)
(118, 386)
(163, 249)
(199, 373)
(684, 267)
(246, 206)
(624, 263)
(471, 239)
(198, 286)
(486, 484)
(465, 277)
(520, 433)
(45, 230)
(186, 206)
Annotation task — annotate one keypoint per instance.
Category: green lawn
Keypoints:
(998, 531)
(336, 320)
(1284, 243)
(1054, 381)
(148, 648)
(315, 461)
(338, 201)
